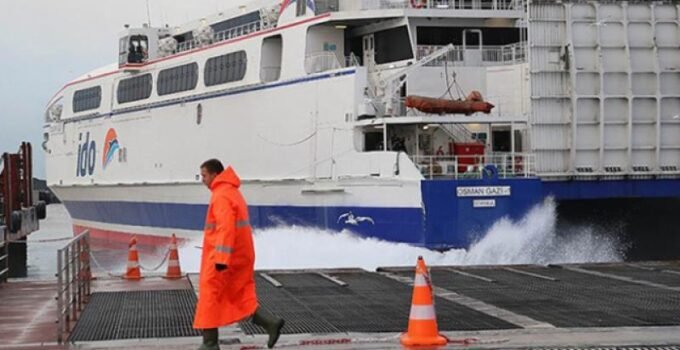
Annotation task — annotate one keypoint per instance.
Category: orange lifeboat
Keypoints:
(472, 104)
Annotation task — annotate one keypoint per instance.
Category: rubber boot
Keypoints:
(269, 322)
(210, 340)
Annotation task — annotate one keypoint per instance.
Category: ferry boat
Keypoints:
(414, 121)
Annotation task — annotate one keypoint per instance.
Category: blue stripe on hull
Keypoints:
(392, 224)
(445, 221)
(162, 215)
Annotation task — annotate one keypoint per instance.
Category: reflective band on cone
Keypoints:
(422, 312)
(420, 281)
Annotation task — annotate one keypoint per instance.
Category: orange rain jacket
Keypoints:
(227, 296)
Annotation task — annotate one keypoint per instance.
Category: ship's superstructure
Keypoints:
(417, 121)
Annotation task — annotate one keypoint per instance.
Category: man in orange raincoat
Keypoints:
(227, 282)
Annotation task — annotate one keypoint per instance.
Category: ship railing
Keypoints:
(323, 61)
(484, 56)
(73, 282)
(241, 30)
(496, 5)
(187, 45)
(502, 165)
(231, 33)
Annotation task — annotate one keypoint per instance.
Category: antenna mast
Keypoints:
(148, 13)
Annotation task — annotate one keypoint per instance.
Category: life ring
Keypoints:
(418, 3)
(439, 152)
(490, 171)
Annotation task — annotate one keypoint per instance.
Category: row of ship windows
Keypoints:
(218, 70)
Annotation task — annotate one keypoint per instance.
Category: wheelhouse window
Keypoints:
(177, 79)
(87, 99)
(135, 89)
(226, 68)
(133, 49)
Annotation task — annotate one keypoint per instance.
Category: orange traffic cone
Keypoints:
(422, 323)
(174, 271)
(133, 271)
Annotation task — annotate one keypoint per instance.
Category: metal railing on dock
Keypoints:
(73, 282)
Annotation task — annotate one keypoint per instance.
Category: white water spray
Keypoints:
(532, 240)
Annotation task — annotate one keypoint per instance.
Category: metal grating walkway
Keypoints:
(574, 299)
(369, 303)
(139, 314)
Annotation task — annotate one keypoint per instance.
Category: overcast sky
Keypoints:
(46, 43)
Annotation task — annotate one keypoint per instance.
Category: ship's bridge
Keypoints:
(139, 45)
